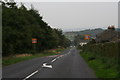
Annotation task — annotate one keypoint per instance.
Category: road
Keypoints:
(68, 64)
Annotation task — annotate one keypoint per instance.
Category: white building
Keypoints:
(83, 43)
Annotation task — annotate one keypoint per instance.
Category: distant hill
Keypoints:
(92, 32)
(70, 35)
(108, 35)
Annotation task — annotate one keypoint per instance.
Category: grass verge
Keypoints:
(14, 59)
(104, 68)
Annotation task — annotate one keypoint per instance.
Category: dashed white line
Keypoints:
(54, 60)
(57, 58)
(31, 75)
(45, 65)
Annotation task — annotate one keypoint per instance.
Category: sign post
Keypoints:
(34, 41)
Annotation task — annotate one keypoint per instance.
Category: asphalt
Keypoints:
(69, 65)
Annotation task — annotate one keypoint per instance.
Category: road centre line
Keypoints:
(31, 75)
(54, 60)
(46, 63)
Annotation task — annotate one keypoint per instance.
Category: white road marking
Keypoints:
(53, 56)
(47, 66)
(61, 55)
(69, 52)
(57, 58)
(31, 75)
(54, 60)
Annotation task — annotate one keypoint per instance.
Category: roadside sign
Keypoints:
(34, 40)
(86, 37)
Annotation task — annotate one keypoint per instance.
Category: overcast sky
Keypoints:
(70, 16)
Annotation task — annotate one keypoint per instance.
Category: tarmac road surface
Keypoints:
(68, 64)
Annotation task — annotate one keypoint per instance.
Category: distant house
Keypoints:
(83, 43)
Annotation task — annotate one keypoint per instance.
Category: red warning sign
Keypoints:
(86, 37)
(34, 40)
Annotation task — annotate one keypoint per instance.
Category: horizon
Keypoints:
(77, 16)
(89, 29)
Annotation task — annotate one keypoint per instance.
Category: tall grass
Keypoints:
(106, 54)
(110, 49)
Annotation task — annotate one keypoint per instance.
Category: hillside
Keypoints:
(92, 32)
(111, 34)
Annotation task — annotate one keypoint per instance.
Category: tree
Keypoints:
(21, 25)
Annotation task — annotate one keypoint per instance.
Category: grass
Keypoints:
(102, 69)
(13, 59)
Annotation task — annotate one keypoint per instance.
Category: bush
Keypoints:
(106, 49)
(107, 53)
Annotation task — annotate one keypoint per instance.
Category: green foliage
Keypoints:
(109, 49)
(21, 25)
(103, 58)
(78, 39)
(107, 69)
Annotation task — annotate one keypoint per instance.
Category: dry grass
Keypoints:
(21, 55)
(12, 59)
